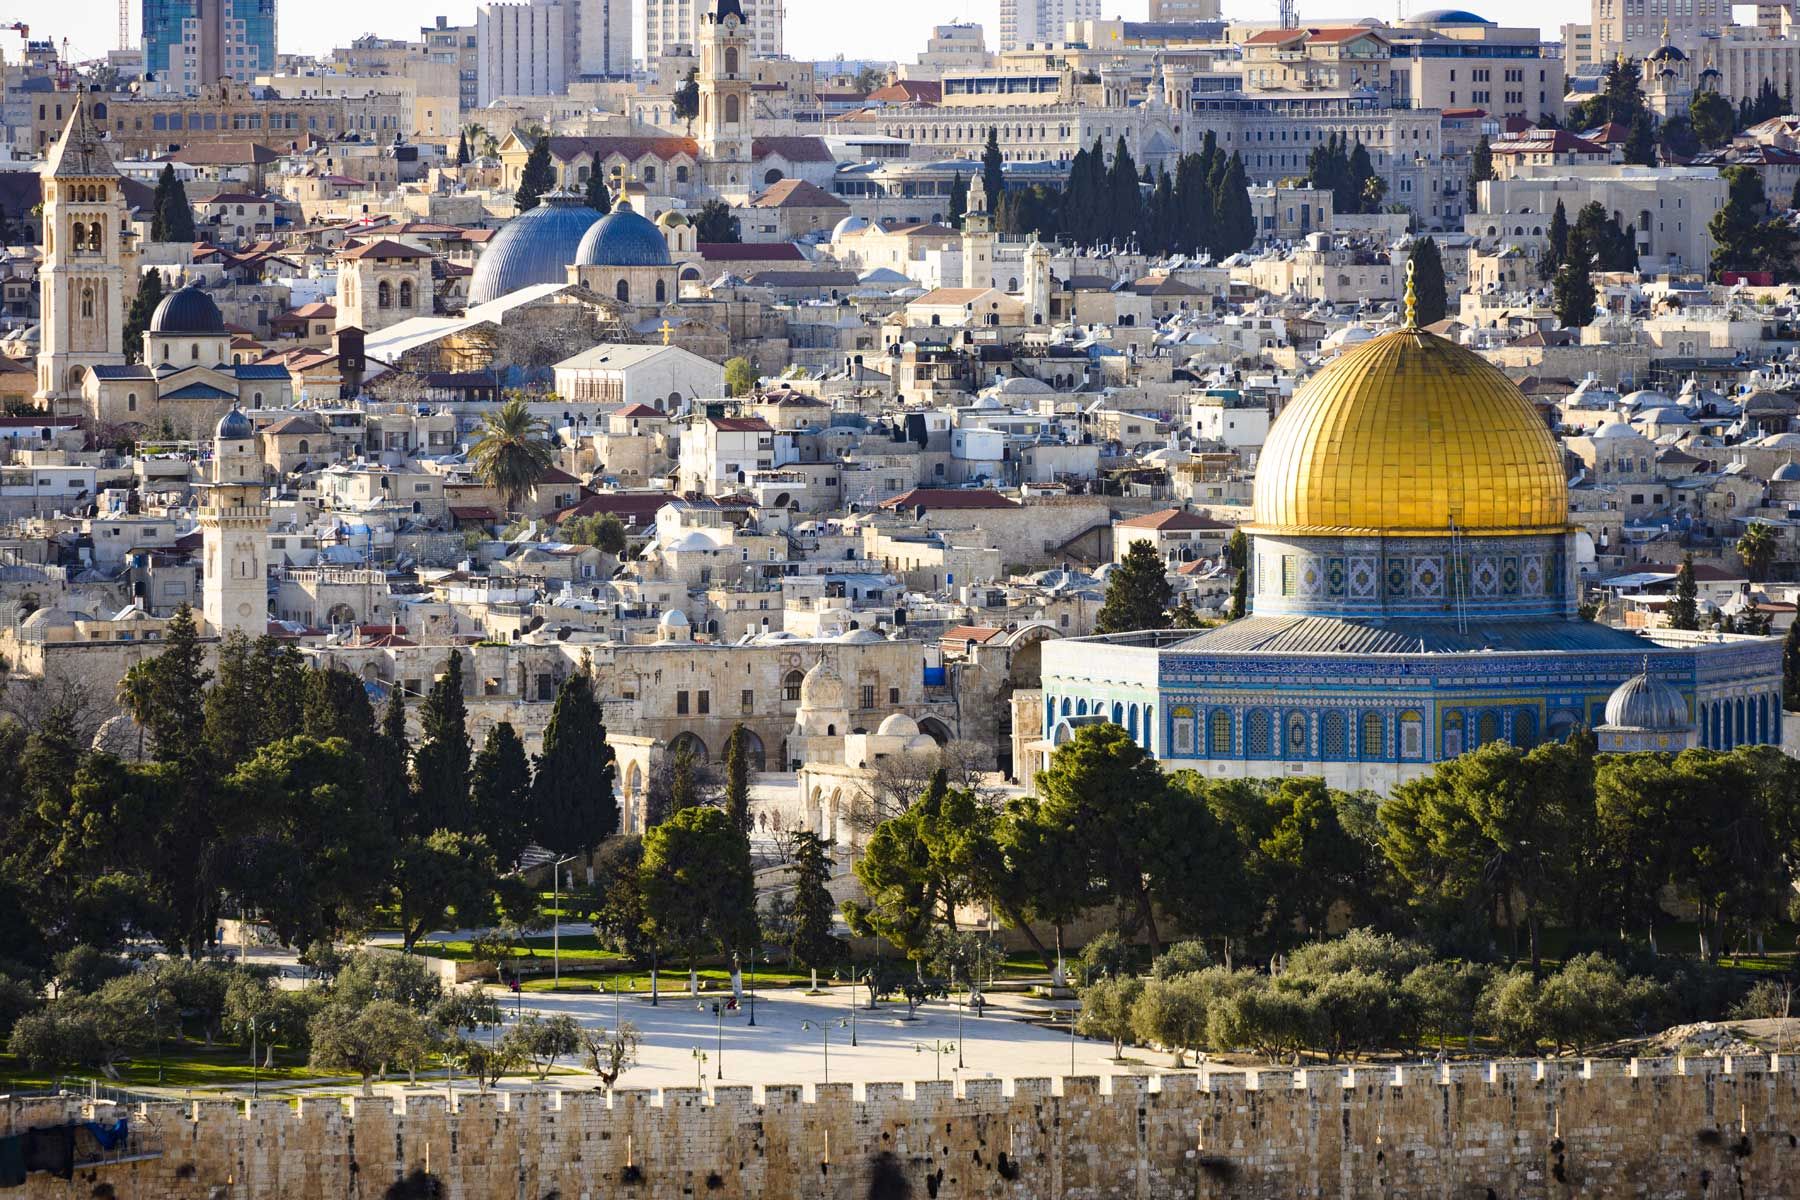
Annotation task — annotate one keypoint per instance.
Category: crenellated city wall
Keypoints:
(1506, 1131)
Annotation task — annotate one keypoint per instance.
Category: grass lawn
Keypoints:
(577, 949)
(186, 1064)
(673, 980)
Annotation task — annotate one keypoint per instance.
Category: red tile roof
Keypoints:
(794, 149)
(949, 498)
(1175, 518)
(566, 148)
(750, 252)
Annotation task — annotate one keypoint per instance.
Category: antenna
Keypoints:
(1290, 17)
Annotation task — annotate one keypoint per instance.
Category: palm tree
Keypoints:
(512, 453)
(1757, 549)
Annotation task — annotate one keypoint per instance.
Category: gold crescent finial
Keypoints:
(1412, 298)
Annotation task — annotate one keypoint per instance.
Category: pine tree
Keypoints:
(737, 779)
(143, 307)
(1137, 594)
(1430, 293)
(573, 808)
(813, 910)
(537, 178)
(1572, 294)
(1640, 141)
(993, 174)
(1236, 220)
(500, 793)
(599, 198)
(462, 148)
(441, 759)
(1684, 611)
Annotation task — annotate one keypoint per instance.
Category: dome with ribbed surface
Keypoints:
(189, 311)
(536, 247)
(623, 238)
(234, 426)
(1409, 434)
(1645, 702)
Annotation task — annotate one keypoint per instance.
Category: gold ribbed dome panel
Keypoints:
(1403, 435)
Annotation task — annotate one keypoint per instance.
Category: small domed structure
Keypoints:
(821, 689)
(1787, 472)
(1645, 713)
(898, 725)
(674, 627)
(234, 426)
(623, 238)
(187, 312)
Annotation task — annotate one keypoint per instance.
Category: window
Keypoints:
(1412, 735)
(893, 695)
(681, 704)
(868, 695)
(1220, 734)
(1184, 733)
(406, 293)
(1258, 735)
(1296, 735)
(703, 702)
(790, 686)
(1337, 736)
(1371, 736)
(747, 700)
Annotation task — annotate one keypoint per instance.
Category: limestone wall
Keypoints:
(1652, 1129)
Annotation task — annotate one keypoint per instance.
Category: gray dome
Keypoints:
(623, 238)
(1644, 702)
(187, 310)
(1787, 472)
(234, 426)
(1449, 16)
(531, 249)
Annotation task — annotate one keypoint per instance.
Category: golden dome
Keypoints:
(1404, 435)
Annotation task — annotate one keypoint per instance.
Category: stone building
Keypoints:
(382, 283)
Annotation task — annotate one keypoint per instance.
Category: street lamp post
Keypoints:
(719, 1020)
(753, 950)
(853, 1005)
(824, 1028)
(959, 1024)
(1072, 1013)
(255, 1080)
(156, 1022)
(556, 920)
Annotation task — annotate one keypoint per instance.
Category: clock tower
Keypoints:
(725, 95)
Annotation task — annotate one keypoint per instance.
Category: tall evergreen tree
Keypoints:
(1558, 244)
(1430, 293)
(388, 781)
(1237, 556)
(1640, 141)
(1684, 610)
(1159, 218)
(572, 801)
(599, 197)
(1125, 205)
(1481, 170)
(1790, 669)
(959, 201)
(538, 177)
(1366, 188)
(993, 174)
(1236, 220)
(166, 694)
(441, 758)
(500, 793)
(1572, 294)
(813, 910)
(143, 307)
(737, 778)
(173, 220)
(462, 148)
(1137, 594)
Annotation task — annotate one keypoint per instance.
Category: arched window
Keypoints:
(1453, 734)
(1412, 734)
(87, 302)
(1258, 735)
(790, 686)
(1219, 738)
(772, 175)
(731, 60)
(732, 111)
(193, 351)
(406, 293)
(681, 175)
(662, 291)
(1524, 731)
(623, 292)
(1337, 736)
(384, 295)
(78, 236)
(1490, 727)
(1296, 735)
(94, 236)
(649, 174)
(1371, 747)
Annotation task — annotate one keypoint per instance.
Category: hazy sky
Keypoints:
(815, 28)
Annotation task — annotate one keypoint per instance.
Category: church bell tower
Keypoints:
(725, 95)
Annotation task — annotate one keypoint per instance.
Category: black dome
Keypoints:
(187, 311)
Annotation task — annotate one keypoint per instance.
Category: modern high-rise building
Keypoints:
(1634, 28)
(539, 47)
(1035, 22)
(191, 43)
(672, 23)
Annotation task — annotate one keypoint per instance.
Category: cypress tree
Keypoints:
(1558, 246)
(1159, 226)
(1572, 294)
(1429, 290)
(143, 307)
(462, 148)
(993, 173)
(537, 178)
(572, 802)
(441, 760)
(1361, 174)
(1790, 669)
(500, 793)
(959, 202)
(1237, 554)
(1481, 169)
(737, 779)
(1125, 203)
(1231, 202)
(174, 217)
(599, 198)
